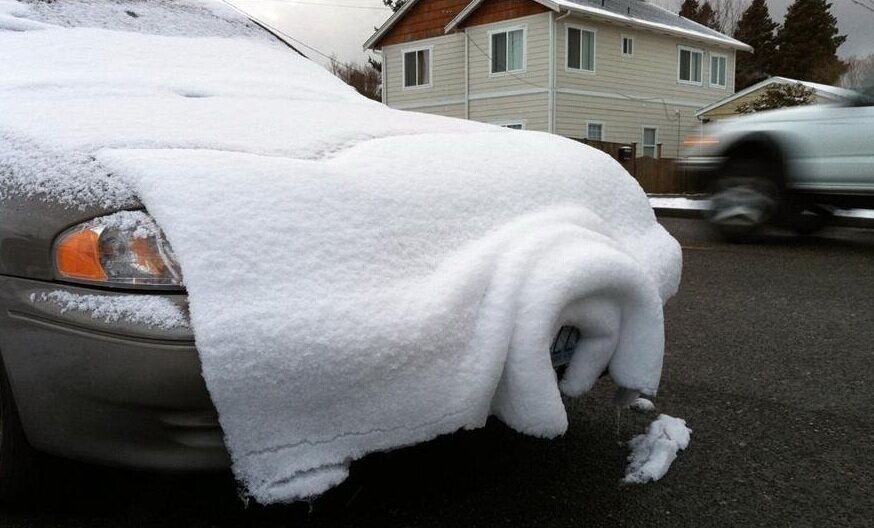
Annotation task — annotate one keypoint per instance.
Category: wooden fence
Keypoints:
(656, 175)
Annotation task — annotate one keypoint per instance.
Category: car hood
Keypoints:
(359, 278)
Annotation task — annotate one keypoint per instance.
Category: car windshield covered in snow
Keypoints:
(174, 18)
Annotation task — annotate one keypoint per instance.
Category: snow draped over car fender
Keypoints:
(405, 288)
(359, 278)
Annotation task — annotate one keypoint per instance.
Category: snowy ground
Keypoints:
(703, 204)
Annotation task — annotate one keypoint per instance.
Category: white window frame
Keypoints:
(680, 50)
(655, 144)
(508, 29)
(567, 49)
(603, 130)
(508, 124)
(710, 69)
(404, 52)
(622, 39)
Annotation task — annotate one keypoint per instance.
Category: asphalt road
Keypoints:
(770, 359)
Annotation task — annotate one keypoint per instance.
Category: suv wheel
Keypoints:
(19, 463)
(805, 217)
(743, 200)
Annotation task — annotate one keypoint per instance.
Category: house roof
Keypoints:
(645, 14)
(829, 92)
(635, 12)
(390, 23)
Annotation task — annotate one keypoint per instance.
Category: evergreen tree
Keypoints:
(808, 43)
(707, 16)
(394, 5)
(780, 95)
(755, 28)
(689, 9)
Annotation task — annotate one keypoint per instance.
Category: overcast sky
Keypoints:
(340, 27)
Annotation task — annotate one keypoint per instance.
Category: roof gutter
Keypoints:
(616, 17)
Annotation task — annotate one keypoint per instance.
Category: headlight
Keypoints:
(124, 249)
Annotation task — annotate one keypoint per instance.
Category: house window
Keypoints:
(717, 70)
(627, 46)
(508, 51)
(690, 65)
(650, 137)
(417, 68)
(595, 131)
(580, 49)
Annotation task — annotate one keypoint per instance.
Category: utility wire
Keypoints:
(861, 4)
(326, 4)
(276, 30)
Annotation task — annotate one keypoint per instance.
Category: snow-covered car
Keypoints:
(213, 252)
(789, 167)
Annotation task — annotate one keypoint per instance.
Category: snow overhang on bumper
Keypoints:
(122, 392)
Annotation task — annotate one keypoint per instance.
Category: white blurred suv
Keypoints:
(789, 167)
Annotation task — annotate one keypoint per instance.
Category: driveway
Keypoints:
(770, 359)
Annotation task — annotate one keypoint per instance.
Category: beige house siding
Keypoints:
(529, 109)
(624, 93)
(729, 109)
(623, 120)
(652, 70)
(447, 73)
(447, 110)
(536, 73)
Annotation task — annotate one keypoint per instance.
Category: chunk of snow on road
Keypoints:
(146, 310)
(359, 278)
(642, 405)
(653, 453)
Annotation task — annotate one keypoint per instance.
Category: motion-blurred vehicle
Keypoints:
(790, 167)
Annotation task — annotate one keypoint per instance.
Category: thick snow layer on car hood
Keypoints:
(359, 278)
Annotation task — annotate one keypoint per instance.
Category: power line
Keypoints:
(276, 30)
(866, 6)
(324, 4)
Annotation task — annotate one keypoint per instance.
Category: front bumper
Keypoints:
(117, 393)
(701, 169)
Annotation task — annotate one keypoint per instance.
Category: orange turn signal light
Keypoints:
(701, 140)
(78, 255)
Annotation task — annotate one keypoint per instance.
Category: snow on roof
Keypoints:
(645, 14)
(638, 12)
(830, 92)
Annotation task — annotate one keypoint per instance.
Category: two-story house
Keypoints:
(611, 70)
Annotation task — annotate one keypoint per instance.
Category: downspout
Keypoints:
(553, 23)
(466, 75)
(383, 77)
